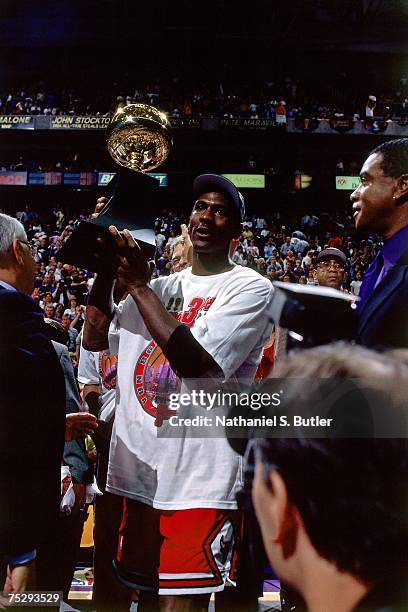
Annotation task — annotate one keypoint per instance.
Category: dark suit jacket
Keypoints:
(383, 321)
(32, 424)
(74, 452)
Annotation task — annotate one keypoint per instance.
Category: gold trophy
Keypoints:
(139, 139)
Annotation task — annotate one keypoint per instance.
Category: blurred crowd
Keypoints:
(71, 164)
(74, 163)
(271, 99)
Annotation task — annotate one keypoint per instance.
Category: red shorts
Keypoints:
(178, 552)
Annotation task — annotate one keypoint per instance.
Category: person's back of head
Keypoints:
(346, 502)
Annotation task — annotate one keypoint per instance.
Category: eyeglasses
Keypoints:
(28, 244)
(326, 265)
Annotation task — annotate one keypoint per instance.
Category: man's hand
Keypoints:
(186, 258)
(127, 263)
(20, 578)
(133, 271)
(100, 205)
(79, 425)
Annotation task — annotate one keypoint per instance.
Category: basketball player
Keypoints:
(180, 521)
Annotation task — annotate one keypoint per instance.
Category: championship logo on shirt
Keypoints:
(108, 369)
(154, 380)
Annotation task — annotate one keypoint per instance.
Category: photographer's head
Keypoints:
(333, 511)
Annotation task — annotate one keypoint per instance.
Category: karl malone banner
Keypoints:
(16, 122)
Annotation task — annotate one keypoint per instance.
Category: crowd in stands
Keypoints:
(267, 244)
(278, 100)
(71, 164)
(283, 253)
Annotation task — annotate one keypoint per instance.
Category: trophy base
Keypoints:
(132, 206)
(81, 247)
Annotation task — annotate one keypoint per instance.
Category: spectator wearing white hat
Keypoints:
(370, 106)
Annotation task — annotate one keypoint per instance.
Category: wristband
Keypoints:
(186, 356)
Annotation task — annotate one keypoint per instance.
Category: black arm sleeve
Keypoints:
(186, 356)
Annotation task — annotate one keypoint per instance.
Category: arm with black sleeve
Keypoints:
(185, 354)
(99, 314)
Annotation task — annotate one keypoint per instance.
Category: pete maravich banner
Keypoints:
(249, 124)
(16, 122)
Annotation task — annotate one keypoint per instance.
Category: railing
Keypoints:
(306, 124)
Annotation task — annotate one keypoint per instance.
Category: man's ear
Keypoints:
(401, 189)
(17, 253)
(285, 515)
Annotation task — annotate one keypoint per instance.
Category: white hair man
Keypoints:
(32, 413)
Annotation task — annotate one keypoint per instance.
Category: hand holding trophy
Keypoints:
(138, 139)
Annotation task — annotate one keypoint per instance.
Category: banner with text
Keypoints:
(347, 182)
(16, 122)
(185, 122)
(64, 122)
(44, 178)
(104, 178)
(247, 181)
(13, 178)
(97, 123)
(241, 123)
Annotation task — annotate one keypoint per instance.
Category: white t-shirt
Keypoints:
(355, 287)
(160, 240)
(260, 223)
(228, 316)
(369, 111)
(100, 368)
(254, 251)
(71, 312)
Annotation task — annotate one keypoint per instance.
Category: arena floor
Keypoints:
(80, 596)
